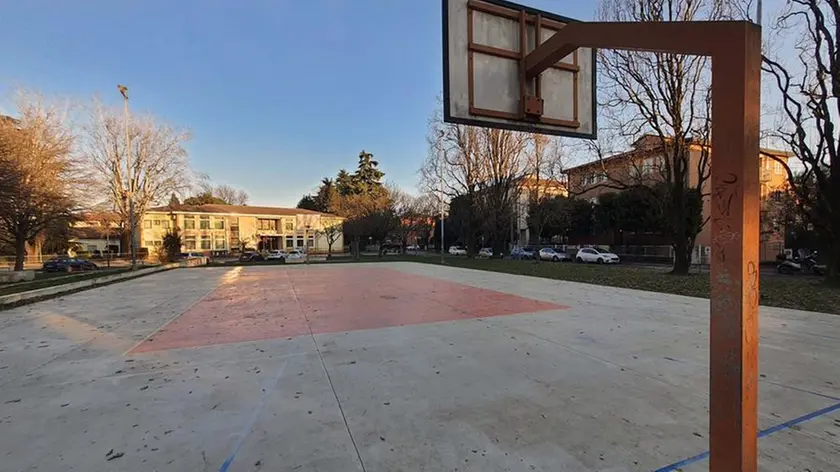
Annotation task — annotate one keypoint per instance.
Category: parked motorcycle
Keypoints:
(789, 267)
(808, 265)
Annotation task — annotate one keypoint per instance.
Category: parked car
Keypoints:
(68, 264)
(551, 254)
(522, 253)
(275, 255)
(457, 251)
(295, 256)
(251, 257)
(590, 254)
(183, 256)
(485, 252)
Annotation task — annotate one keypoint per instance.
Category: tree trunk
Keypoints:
(682, 256)
(20, 252)
(681, 242)
(125, 243)
(833, 262)
(470, 230)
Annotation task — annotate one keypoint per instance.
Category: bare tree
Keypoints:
(38, 173)
(543, 181)
(331, 229)
(226, 193)
(502, 160)
(454, 163)
(809, 89)
(412, 214)
(155, 166)
(668, 97)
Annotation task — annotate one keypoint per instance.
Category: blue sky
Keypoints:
(278, 94)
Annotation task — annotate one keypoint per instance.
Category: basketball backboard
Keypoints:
(483, 72)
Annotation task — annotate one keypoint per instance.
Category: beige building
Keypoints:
(531, 188)
(97, 232)
(220, 229)
(642, 164)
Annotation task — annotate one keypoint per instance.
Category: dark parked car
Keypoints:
(68, 264)
(251, 257)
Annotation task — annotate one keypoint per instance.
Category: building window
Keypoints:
(189, 222)
(310, 242)
(290, 226)
(157, 243)
(290, 242)
(205, 242)
(267, 225)
(220, 243)
(165, 224)
(205, 223)
(219, 224)
(189, 243)
(777, 168)
(149, 243)
(147, 224)
(157, 222)
(300, 241)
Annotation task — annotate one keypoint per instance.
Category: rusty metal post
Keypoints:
(736, 84)
(735, 48)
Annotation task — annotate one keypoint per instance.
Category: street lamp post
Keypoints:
(129, 194)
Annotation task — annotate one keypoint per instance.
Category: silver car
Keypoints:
(550, 254)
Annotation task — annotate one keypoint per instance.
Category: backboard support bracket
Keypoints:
(735, 49)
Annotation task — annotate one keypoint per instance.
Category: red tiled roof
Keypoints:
(647, 139)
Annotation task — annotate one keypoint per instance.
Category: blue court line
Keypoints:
(246, 430)
(761, 434)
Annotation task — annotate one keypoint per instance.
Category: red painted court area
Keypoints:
(273, 303)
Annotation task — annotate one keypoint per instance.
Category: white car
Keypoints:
(296, 256)
(457, 251)
(485, 252)
(276, 255)
(550, 254)
(590, 254)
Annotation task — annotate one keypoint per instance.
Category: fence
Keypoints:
(37, 260)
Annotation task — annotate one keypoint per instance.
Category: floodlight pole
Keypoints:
(735, 49)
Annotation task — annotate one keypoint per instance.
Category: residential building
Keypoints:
(530, 189)
(97, 232)
(220, 229)
(642, 164)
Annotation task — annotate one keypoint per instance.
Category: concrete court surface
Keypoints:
(392, 367)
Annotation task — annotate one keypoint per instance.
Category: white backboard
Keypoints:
(482, 50)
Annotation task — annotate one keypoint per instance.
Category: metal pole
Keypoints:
(133, 232)
(758, 13)
(440, 183)
(131, 217)
(735, 48)
(735, 204)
